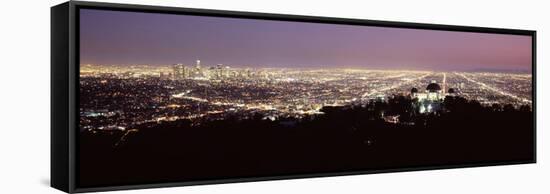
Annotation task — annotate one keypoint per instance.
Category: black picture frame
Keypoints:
(65, 71)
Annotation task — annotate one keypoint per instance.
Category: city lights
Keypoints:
(121, 97)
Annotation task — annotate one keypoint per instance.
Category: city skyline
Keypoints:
(193, 98)
(126, 38)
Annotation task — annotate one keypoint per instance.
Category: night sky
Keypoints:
(125, 38)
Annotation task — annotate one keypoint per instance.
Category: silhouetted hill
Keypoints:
(343, 139)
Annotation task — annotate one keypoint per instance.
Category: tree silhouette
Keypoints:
(353, 137)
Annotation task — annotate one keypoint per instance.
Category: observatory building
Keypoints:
(430, 100)
(433, 93)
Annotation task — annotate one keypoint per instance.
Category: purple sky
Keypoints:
(122, 38)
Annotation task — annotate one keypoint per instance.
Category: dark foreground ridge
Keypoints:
(345, 138)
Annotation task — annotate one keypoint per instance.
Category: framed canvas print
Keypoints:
(146, 96)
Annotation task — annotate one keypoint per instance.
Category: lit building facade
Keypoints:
(431, 99)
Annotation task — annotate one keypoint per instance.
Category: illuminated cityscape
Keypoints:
(123, 97)
(170, 97)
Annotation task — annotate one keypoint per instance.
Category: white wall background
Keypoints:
(24, 100)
